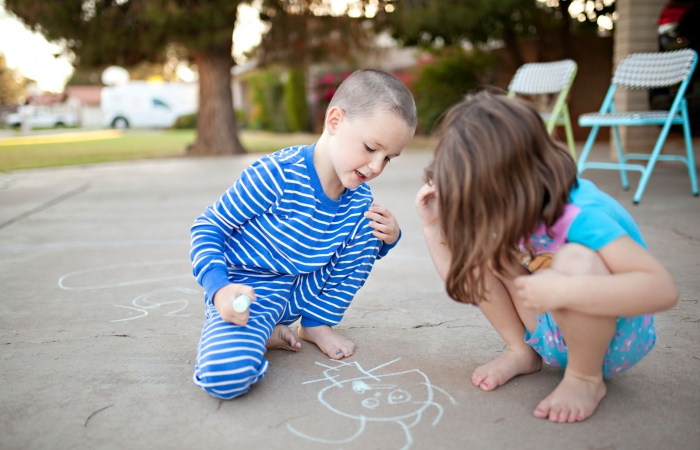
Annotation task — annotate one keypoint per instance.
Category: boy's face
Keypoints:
(361, 148)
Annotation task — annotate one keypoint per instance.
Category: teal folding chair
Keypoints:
(548, 78)
(645, 71)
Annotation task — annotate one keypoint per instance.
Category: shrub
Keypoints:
(295, 101)
(187, 122)
(446, 82)
(267, 95)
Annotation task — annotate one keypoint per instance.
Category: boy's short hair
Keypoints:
(367, 89)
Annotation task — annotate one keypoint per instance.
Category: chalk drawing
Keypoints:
(123, 283)
(93, 244)
(142, 303)
(367, 397)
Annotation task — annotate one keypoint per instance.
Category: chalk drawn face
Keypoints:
(369, 397)
(389, 397)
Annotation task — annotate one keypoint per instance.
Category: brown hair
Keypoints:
(498, 175)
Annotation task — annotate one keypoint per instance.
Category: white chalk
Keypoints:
(241, 303)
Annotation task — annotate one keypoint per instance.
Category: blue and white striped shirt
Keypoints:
(274, 221)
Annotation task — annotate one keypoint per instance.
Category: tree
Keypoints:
(302, 32)
(306, 32)
(13, 86)
(452, 22)
(98, 33)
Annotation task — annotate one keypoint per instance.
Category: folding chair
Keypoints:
(548, 78)
(645, 71)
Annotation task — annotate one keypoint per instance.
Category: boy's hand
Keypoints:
(223, 300)
(426, 204)
(543, 291)
(384, 223)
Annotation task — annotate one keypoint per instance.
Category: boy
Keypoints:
(298, 234)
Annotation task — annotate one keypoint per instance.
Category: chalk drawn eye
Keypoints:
(370, 403)
(399, 396)
(360, 387)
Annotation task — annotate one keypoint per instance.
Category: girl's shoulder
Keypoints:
(599, 218)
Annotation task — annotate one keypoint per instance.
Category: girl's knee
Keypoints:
(576, 259)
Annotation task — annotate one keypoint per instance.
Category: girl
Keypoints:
(557, 267)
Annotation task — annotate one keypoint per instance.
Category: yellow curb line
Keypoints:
(64, 137)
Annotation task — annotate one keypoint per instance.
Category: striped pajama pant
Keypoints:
(231, 358)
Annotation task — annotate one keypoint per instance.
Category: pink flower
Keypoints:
(649, 345)
(559, 339)
(627, 343)
(548, 338)
(552, 362)
(646, 322)
(614, 370)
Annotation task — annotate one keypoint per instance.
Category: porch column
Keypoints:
(636, 31)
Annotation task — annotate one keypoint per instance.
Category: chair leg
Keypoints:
(587, 148)
(689, 149)
(569, 132)
(652, 162)
(620, 158)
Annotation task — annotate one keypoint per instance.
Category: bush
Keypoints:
(295, 101)
(187, 122)
(267, 95)
(446, 82)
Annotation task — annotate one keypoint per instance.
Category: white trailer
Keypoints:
(142, 104)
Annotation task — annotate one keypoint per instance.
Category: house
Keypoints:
(84, 101)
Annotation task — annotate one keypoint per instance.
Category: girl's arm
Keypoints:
(427, 210)
(638, 284)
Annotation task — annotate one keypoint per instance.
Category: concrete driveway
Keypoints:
(100, 319)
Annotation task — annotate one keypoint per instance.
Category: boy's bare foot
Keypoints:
(330, 342)
(512, 362)
(282, 337)
(574, 400)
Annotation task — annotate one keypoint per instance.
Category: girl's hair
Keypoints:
(498, 175)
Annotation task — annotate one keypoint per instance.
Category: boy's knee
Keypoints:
(230, 374)
(576, 259)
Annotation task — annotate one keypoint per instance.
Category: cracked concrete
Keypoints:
(119, 246)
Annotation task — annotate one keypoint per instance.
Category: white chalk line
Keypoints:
(124, 283)
(142, 304)
(96, 244)
(329, 441)
(145, 313)
(416, 415)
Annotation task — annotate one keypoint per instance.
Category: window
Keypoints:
(160, 103)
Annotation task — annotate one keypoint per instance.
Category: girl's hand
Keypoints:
(223, 300)
(426, 204)
(543, 291)
(384, 223)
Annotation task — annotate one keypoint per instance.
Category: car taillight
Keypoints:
(674, 12)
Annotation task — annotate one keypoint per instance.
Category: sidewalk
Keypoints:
(100, 319)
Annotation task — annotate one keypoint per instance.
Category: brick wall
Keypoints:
(635, 31)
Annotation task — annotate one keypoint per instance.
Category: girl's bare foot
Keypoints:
(282, 337)
(574, 400)
(517, 361)
(330, 342)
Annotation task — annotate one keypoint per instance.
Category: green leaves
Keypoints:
(104, 32)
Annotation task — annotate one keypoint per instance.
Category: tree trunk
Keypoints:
(512, 47)
(565, 30)
(216, 121)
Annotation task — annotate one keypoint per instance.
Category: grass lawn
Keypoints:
(15, 154)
